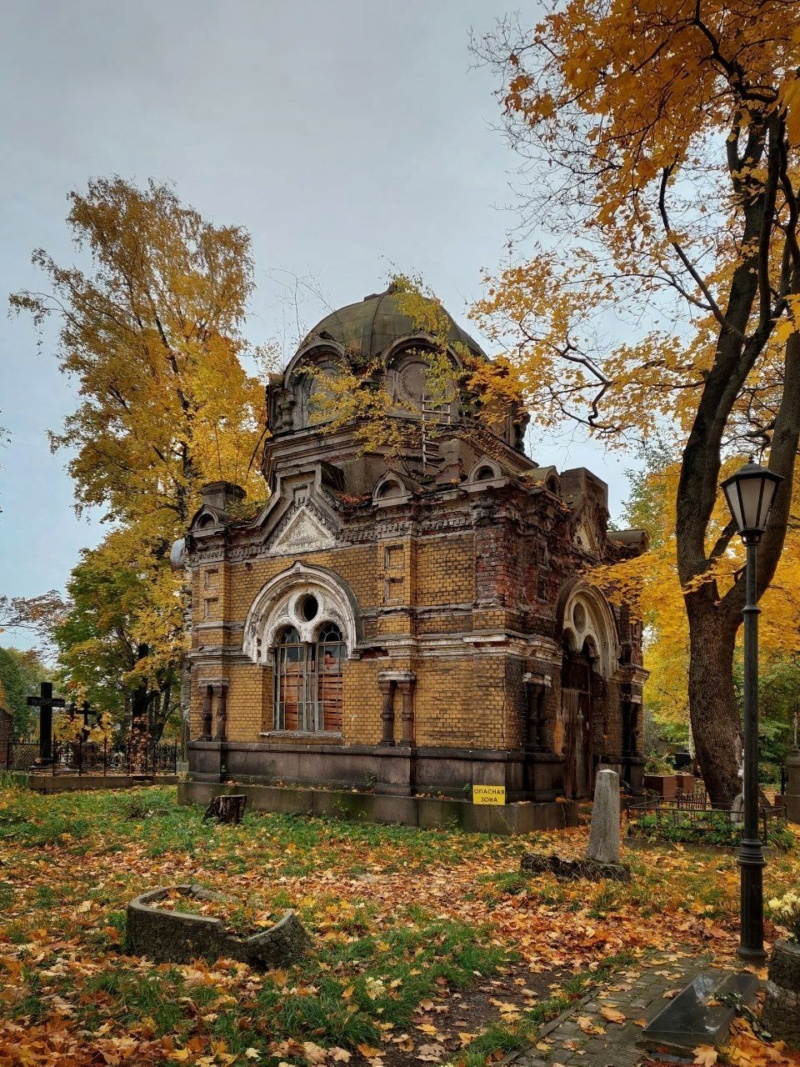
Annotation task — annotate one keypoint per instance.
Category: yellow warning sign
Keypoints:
(488, 794)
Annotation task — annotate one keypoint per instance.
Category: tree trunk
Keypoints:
(139, 709)
(714, 708)
(160, 712)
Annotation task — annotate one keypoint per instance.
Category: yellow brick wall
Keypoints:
(465, 702)
(246, 701)
(445, 570)
(458, 701)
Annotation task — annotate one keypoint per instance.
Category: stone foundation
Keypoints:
(395, 770)
(424, 812)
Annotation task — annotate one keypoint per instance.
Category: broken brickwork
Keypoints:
(408, 624)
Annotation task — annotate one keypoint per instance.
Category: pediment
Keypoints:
(302, 529)
(586, 536)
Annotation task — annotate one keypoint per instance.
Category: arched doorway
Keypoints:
(577, 674)
(590, 661)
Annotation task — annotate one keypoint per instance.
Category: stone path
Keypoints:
(584, 1037)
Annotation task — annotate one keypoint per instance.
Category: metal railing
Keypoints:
(136, 757)
(21, 756)
(695, 813)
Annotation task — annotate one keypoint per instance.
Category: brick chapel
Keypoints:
(416, 624)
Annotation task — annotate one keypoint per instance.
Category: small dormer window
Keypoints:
(485, 470)
(390, 488)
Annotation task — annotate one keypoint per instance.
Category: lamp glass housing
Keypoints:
(750, 493)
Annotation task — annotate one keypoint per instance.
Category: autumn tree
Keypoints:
(651, 506)
(661, 156)
(21, 671)
(119, 640)
(150, 331)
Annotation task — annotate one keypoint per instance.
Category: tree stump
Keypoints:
(226, 808)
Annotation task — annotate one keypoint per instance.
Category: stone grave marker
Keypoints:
(701, 1014)
(604, 836)
(602, 855)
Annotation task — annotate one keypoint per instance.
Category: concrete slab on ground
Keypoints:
(584, 1036)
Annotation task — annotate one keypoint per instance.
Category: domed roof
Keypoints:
(367, 328)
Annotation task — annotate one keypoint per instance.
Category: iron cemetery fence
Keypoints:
(20, 756)
(136, 757)
(694, 814)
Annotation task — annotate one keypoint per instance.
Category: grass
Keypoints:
(704, 828)
(399, 918)
(503, 1037)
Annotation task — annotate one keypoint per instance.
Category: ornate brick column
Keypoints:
(544, 767)
(534, 727)
(406, 687)
(387, 687)
(537, 736)
(396, 759)
(208, 696)
(221, 694)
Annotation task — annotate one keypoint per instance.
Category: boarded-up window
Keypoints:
(308, 681)
(330, 657)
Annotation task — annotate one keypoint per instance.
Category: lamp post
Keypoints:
(750, 492)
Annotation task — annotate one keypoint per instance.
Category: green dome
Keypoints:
(367, 328)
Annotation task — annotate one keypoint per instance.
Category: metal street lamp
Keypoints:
(750, 492)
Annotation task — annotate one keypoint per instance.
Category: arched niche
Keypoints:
(305, 381)
(584, 617)
(390, 490)
(305, 598)
(411, 383)
(485, 470)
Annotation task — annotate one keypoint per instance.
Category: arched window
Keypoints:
(308, 681)
(291, 690)
(331, 652)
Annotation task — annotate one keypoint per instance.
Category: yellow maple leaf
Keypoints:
(612, 1015)
(705, 1055)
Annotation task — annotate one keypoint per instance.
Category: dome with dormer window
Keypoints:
(372, 327)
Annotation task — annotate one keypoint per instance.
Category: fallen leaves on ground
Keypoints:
(410, 928)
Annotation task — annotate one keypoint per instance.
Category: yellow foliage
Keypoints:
(661, 140)
(652, 581)
(152, 336)
(354, 392)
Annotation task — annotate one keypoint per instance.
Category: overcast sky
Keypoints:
(352, 138)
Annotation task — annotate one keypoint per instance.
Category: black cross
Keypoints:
(45, 702)
(86, 711)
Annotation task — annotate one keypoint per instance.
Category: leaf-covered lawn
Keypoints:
(428, 946)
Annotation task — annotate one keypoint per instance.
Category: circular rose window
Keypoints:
(308, 607)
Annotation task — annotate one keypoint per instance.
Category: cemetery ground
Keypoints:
(428, 946)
